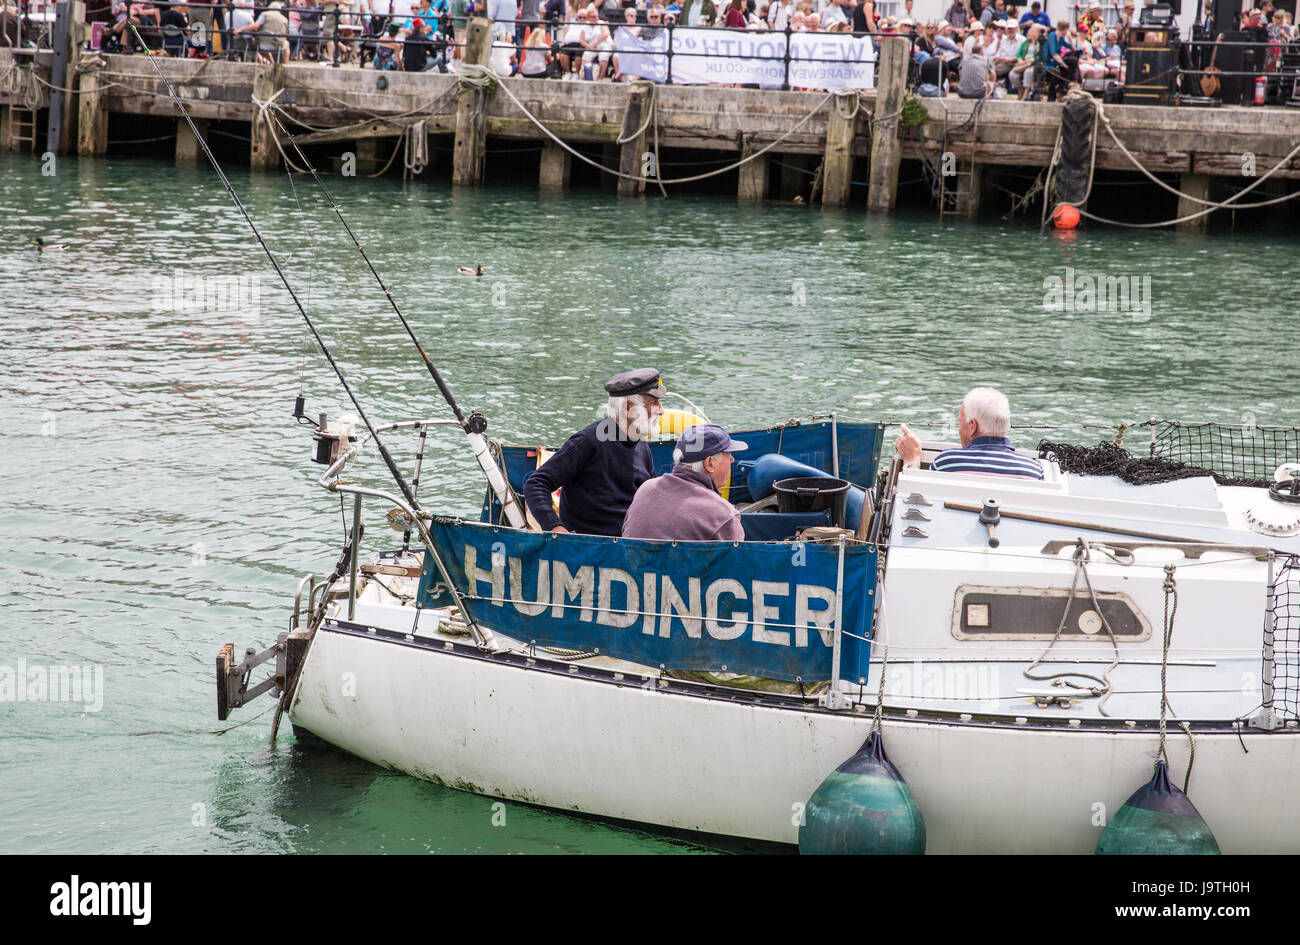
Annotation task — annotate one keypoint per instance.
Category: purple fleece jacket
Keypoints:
(683, 505)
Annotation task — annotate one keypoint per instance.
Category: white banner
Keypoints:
(831, 61)
(731, 57)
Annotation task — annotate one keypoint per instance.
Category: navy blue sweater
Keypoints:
(598, 473)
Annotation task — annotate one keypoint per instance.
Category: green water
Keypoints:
(159, 501)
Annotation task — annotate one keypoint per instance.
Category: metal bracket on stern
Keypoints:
(232, 678)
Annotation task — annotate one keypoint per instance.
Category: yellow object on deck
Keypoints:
(674, 422)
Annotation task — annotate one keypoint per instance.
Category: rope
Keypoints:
(469, 71)
(1061, 679)
(417, 149)
(1167, 631)
(1210, 205)
(884, 663)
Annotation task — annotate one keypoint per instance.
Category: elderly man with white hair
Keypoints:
(685, 504)
(983, 423)
(600, 468)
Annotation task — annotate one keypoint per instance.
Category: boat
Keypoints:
(1028, 649)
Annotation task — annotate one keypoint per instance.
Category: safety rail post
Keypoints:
(785, 83)
(669, 80)
(338, 16)
(886, 148)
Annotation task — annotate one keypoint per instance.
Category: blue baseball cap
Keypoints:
(704, 440)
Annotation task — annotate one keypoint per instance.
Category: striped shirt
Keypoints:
(992, 455)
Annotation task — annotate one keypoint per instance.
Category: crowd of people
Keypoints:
(978, 48)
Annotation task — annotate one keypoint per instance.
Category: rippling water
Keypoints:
(160, 501)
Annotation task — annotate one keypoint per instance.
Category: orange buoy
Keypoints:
(1065, 217)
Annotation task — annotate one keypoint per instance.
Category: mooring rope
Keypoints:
(478, 77)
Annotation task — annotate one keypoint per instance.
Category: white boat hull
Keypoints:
(634, 751)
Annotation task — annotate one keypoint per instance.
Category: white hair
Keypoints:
(990, 409)
(698, 465)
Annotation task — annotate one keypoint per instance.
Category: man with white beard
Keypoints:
(599, 468)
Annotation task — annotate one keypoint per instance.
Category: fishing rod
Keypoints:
(383, 450)
(475, 425)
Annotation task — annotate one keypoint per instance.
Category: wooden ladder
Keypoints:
(22, 129)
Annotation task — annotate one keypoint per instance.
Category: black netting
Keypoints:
(1282, 637)
(1107, 459)
(1234, 452)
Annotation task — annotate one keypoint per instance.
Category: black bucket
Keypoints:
(812, 494)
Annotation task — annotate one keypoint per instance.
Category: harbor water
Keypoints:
(160, 501)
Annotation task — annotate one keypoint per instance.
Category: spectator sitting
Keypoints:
(1003, 55)
(983, 423)
(571, 49)
(1028, 65)
(270, 29)
(388, 50)
(973, 38)
(1061, 59)
(416, 48)
(174, 22)
(975, 74)
(597, 44)
(684, 504)
(502, 58)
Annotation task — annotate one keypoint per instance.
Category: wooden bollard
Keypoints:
(630, 160)
(753, 173)
(263, 152)
(92, 120)
(886, 149)
(837, 169)
(469, 150)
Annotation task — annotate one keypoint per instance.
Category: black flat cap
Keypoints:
(630, 383)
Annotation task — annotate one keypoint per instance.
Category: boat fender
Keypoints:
(863, 806)
(771, 467)
(1157, 819)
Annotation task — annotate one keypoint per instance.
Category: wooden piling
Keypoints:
(886, 148)
(754, 174)
(1193, 185)
(837, 167)
(61, 129)
(188, 151)
(553, 174)
(92, 118)
(263, 151)
(470, 147)
(5, 118)
(630, 160)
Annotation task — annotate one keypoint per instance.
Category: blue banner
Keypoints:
(763, 609)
